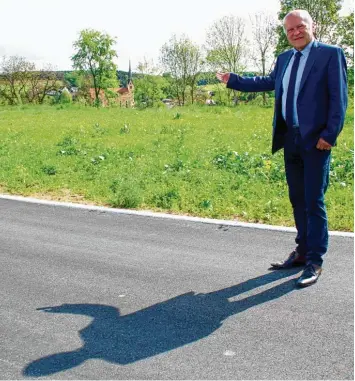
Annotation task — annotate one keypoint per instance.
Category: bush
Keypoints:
(65, 97)
(49, 170)
(127, 194)
(166, 200)
(259, 101)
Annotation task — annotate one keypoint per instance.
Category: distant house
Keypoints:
(169, 103)
(124, 95)
(57, 93)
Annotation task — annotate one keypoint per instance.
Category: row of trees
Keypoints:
(228, 49)
(183, 65)
(22, 83)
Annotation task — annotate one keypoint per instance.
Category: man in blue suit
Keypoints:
(310, 84)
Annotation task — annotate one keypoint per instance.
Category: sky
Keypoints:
(43, 31)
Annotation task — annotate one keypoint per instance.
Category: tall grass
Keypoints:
(203, 161)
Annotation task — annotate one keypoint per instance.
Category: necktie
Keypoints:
(291, 91)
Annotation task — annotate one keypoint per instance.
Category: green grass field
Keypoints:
(202, 161)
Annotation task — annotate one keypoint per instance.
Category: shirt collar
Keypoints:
(306, 50)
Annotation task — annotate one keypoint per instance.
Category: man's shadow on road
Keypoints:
(156, 329)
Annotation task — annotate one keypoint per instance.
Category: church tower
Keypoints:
(125, 95)
(130, 85)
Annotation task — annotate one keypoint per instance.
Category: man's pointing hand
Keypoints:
(223, 77)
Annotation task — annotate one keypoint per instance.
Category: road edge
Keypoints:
(145, 213)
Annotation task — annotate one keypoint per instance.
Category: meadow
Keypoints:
(197, 160)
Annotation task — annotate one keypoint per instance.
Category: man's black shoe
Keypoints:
(294, 260)
(310, 275)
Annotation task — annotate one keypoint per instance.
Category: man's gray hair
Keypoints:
(302, 13)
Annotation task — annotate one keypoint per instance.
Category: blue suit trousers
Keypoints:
(307, 173)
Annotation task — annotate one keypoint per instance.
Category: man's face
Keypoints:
(299, 33)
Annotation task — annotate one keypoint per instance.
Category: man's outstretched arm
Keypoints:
(248, 84)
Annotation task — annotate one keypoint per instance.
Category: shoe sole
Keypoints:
(303, 285)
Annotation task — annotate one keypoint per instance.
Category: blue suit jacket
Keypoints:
(322, 98)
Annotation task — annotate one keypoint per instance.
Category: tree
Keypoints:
(148, 90)
(40, 83)
(195, 65)
(16, 72)
(148, 84)
(325, 14)
(226, 45)
(147, 67)
(183, 60)
(23, 83)
(94, 55)
(74, 78)
(264, 38)
(345, 39)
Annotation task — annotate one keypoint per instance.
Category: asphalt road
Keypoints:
(97, 295)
